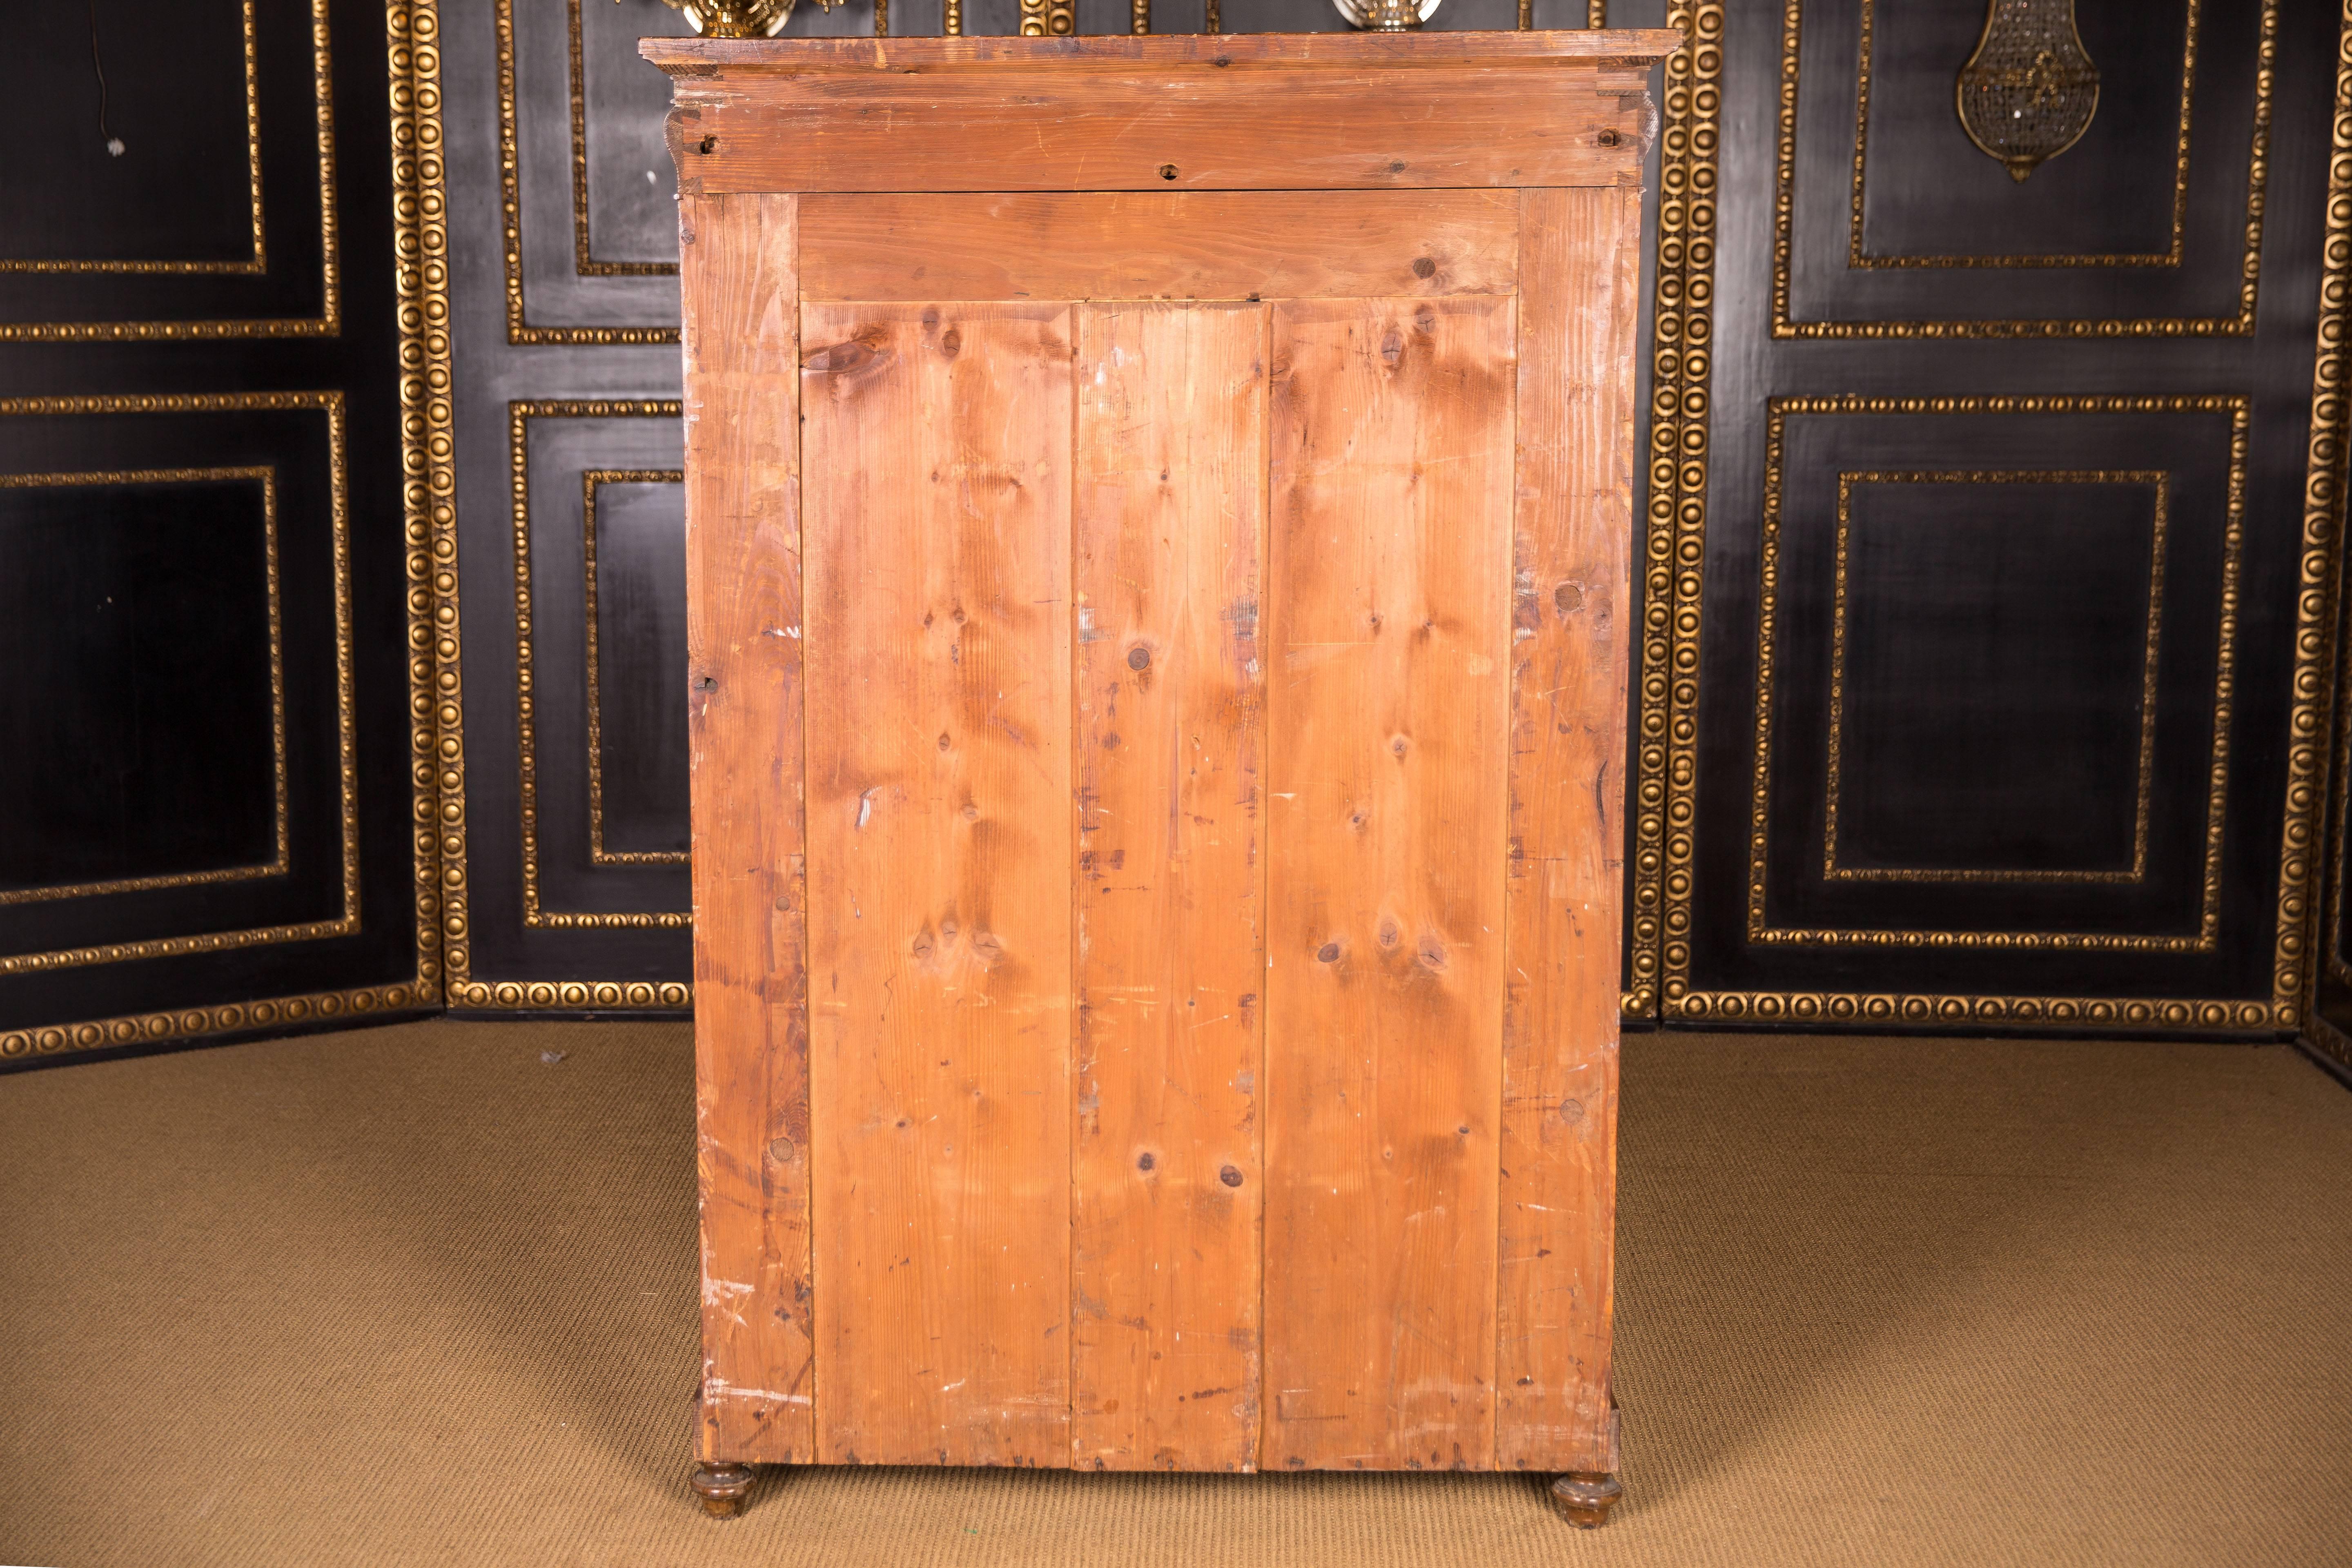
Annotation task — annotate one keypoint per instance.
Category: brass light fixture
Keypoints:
(1386, 15)
(2029, 92)
(737, 18)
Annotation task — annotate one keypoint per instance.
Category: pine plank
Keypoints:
(1172, 245)
(1165, 1171)
(1389, 628)
(751, 1039)
(1021, 128)
(1572, 542)
(929, 54)
(937, 443)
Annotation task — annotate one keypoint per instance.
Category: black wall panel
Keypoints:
(210, 803)
(1987, 591)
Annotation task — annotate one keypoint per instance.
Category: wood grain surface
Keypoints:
(1165, 1174)
(937, 444)
(1016, 129)
(1389, 632)
(1535, 50)
(1571, 530)
(744, 716)
(1200, 244)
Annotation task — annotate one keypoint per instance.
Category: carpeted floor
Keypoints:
(415, 1295)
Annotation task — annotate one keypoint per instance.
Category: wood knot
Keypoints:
(1231, 1175)
(1327, 954)
(1423, 266)
(1138, 658)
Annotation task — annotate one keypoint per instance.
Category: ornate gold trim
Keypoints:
(512, 995)
(173, 1024)
(282, 860)
(436, 736)
(1941, 1010)
(1050, 19)
(520, 332)
(256, 263)
(520, 411)
(2240, 325)
(2316, 601)
(347, 749)
(2143, 795)
(1859, 258)
(2209, 923)
(2330, 871)
(586, 265)
(1674, 529)
(597, 854)
(328, 323)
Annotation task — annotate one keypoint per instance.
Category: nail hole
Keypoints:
(707, 144)
(1167, 171)
(1609, 138)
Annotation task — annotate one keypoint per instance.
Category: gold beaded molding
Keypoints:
(2315, 605)
(1674, 530)
(143, 1028)
(429, 491)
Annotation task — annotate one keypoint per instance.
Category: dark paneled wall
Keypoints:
(207, 784)
(1988, 607)
(1991, 545)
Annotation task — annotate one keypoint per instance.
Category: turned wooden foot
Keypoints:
(1585, 1497)
(722, 1486)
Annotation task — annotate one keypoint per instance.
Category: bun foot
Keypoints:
(1585, 1497)
(722, 1486)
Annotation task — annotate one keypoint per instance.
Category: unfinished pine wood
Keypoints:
(1019, 127)
(743, 653)
(1571, 567)
(1174, 245)
(1389, 631)
(1165, 1175)
(937, 445)
(744, 59)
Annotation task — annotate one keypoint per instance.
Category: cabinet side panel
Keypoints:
(937, 446)
(1572, 561)
(1387, 635)
(1165, 1172)
(751, 1038)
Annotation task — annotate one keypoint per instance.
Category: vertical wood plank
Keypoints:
(1572, 537)
(938, 450)
(1388, 626)
(743, 655)
(1165, 1170)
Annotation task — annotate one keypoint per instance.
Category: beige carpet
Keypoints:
(414, 1296)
